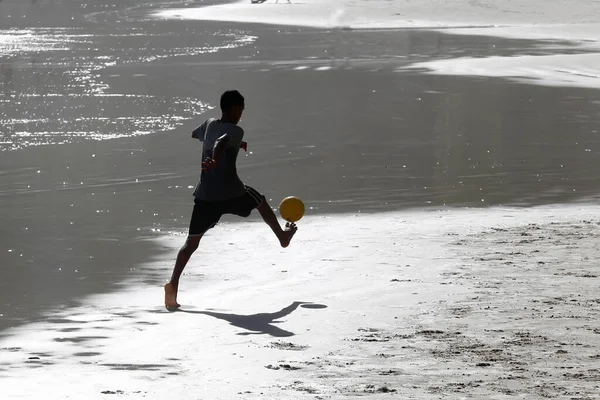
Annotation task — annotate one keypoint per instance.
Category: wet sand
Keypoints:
(330, 117)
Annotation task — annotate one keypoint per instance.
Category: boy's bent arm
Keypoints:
(219, 148)
(232, 139)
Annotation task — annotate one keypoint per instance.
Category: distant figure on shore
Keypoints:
(262, 1)
(220, 190)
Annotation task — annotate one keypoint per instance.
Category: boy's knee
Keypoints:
(263, 203)
(191, 244)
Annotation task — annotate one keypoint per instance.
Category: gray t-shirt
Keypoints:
(221, 182)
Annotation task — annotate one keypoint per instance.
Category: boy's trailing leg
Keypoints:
(183, 256)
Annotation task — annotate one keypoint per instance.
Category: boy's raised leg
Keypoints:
(183, 256)
(284, 235)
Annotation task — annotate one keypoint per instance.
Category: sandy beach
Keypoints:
(447, 154)
(496, 303)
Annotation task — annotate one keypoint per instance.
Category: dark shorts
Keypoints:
(206, 214)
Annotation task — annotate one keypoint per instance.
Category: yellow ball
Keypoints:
(291, 209)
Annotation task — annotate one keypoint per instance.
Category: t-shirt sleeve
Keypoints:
(200, 131)
(235, 137)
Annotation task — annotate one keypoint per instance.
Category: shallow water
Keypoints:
(330, 117)
(52, 91)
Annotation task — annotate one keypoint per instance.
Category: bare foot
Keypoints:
(288, 233)
(171, 296)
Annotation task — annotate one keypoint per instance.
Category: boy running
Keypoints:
(220, 190)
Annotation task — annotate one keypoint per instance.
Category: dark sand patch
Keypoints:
(136, 367)
(285, 367)
(69, 330)
(79, 339)
(64, 321)
(11, 349)
(287, 346)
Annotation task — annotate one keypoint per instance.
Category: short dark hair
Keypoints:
(231, 98)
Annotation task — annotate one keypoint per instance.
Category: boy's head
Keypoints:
(232, 105)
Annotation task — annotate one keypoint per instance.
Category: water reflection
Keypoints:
(56, 90)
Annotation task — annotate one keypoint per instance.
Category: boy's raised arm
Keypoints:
(199, 132)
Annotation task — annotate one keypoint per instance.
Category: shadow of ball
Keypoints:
(314, 306)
